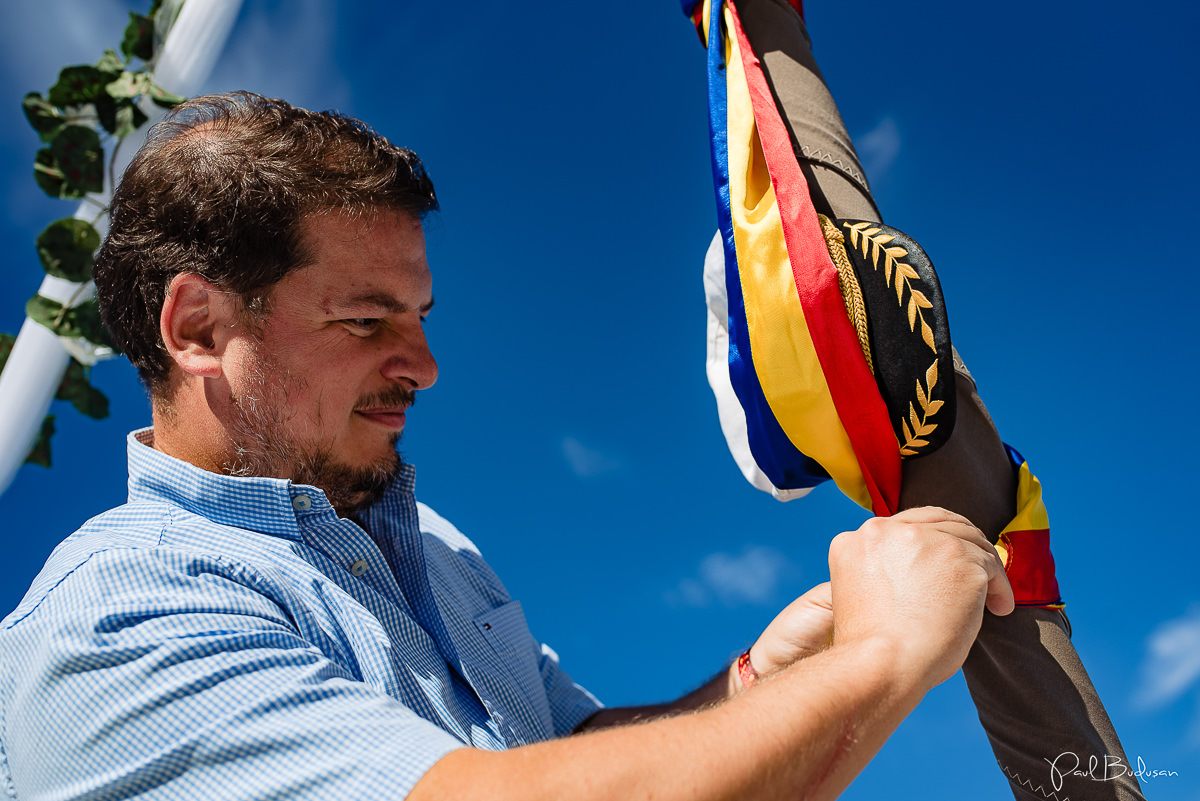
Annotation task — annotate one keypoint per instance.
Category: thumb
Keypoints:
(1000, 599)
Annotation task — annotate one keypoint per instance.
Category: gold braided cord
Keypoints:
(856, 310)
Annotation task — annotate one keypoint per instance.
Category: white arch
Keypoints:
(39, 358)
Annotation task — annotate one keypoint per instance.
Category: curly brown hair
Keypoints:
(220, 189)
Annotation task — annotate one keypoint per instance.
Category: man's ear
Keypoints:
(196, 323)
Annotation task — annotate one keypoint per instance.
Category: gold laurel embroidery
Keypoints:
(868, 240)
(851, 293)
(921, 427)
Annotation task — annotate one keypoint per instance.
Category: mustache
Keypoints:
(392, 398)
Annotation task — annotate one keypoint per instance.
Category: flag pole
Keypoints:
(39, 358)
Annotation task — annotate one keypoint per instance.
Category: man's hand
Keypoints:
(804, 628)
(919, 580)
(906, 598)
(900, 571)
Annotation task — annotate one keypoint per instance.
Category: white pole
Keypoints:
(39, 359)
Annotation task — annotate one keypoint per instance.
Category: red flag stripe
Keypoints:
(855, 394)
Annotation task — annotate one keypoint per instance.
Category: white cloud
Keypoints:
(879, 147)
(587, 462)
(752, 577)
(1172, 662)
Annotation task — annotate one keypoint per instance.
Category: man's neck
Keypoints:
(189, 431)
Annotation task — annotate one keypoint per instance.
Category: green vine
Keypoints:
(89, 107)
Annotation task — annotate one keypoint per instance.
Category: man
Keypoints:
(274, 615)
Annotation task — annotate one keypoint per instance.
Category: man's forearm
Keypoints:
(803, 733)
(716, 690)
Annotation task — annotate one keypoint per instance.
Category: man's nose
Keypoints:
(411, 361)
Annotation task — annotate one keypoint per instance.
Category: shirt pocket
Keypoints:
(505, 630)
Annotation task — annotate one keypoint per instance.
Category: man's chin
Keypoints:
(265, 449)
(352, 488)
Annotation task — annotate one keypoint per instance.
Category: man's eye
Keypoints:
(362, 325)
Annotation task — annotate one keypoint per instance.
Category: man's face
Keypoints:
(320, 398)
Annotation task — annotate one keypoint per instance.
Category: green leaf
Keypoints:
(165, 15)
(129, 84)
(66, 248)
(79, 321)
(82, 395)
(139, 37)
(106, 112)
(40, 453)
(128, 119)
(79, 85)
(49, 313)
(45, 117)
(85, 318)
(111, 63)
(163, 98)
(79, 157)
(6, 345)
(139, 116)
(50, 178)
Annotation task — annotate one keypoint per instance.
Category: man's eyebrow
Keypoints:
(385, 302)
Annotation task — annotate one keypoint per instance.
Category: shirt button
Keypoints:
(302, 503)
(358, 568)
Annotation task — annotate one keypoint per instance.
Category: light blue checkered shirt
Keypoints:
(222, 637)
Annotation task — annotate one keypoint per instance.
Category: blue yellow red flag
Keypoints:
(797, 400)
(812, 410)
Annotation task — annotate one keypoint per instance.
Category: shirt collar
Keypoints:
(270, 505)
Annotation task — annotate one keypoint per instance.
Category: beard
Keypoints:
(263, 445)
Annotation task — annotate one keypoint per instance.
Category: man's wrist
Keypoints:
(747, 675)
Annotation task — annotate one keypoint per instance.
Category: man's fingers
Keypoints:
(947, 521)
(930, 514)
(820, 595)
(1000, 599)
(970, 534)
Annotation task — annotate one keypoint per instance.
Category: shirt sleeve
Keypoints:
(165, 675)
(570, 704)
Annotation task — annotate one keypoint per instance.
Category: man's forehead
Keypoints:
(381, 300)
(382, 240)
(366, 265)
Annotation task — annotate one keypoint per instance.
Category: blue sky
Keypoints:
(572, 434)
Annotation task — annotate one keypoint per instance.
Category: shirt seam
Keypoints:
(15, 620)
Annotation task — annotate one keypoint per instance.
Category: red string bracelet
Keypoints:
(745, 668)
